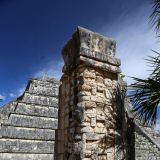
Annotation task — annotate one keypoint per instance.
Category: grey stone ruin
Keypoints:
(95, 122)
(85, 116)
(28, 124)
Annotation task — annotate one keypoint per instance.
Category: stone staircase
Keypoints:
(28, 124)
(146, 141)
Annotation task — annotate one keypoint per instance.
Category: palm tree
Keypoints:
(155, 16)
(145, 93)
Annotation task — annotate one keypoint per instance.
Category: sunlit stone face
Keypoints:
(88, 83)
(93, 43)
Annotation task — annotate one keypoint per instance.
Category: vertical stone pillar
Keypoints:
(87, 106)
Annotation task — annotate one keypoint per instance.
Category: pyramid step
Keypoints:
(32, 121)
(26, 133)
(26, 146)
(28, 156)
(36, 110)
(40, 100)
(40, 87)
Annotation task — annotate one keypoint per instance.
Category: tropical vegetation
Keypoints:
(145, 93)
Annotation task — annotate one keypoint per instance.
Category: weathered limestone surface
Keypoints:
(143, 142)
(28, 125)
(15, 156)
(87, 108)
(94, 118)
(145, 148)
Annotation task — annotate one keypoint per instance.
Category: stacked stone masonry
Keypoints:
(93, 121)
(87, 111)
(145, 148)
(28, 125)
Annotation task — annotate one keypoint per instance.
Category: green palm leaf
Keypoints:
(145, 93)
(145, 97)
(155, 16)
(154, 63)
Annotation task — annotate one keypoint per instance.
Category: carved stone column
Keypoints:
(87, 111)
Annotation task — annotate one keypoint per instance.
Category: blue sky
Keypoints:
(33, 32)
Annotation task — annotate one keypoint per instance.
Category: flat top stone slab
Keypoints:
(91, 45)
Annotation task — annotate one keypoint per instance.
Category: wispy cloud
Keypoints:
(12, 95)
(17, 93)
(134, 44)
(2, 97)
(53, 69)
(135, 39)
(21, 90)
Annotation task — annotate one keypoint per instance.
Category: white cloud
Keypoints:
(134, 44)
(53, 69)
(12, 95)
(2, 97)
(18, 93)
(21, 90)
(135, 39)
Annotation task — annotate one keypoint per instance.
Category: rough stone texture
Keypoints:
(143, 142)
(93, 118)
(145, 147)
(87, 108)
(28, 125)
(19, 156)
(95, 121)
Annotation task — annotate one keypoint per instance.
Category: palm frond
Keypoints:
(145, 97)
(154, 63)
(145, 93)
(155, 16)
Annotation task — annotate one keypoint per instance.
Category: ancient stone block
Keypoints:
(86, 129)
(84, 88)
(42, 100)
(92, 136)
(93, 121)
(100, 130)
(89, 75)
(84, 93)
(36, 110)
(19, 156)
(84, 98)
(94, 90)
(99, 79)
(44, 87)
(26, 146)
(29, 121)
(27, 133)
(90, 104)
(97, 99)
